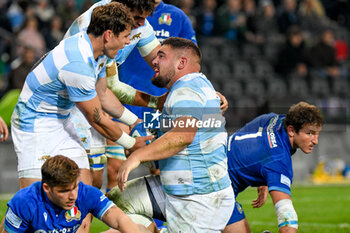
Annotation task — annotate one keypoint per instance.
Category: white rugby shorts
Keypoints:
(199, 213)
(51, 137)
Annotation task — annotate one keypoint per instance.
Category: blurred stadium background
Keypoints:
(263, 55)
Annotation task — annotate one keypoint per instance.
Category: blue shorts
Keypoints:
(237, 214)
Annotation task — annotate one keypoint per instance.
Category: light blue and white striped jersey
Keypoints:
(66, 75)
(202, 167)
(142, 37)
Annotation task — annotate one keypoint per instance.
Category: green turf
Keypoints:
(321, 209)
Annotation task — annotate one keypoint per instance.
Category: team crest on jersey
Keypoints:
(136, 36)
(73, 214)
(165, 19)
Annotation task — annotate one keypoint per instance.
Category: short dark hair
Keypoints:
(301, 114)
(113, 16)
(140, 5)
(182, 43)
(59, 171)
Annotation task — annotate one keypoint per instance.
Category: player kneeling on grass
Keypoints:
(60, 202)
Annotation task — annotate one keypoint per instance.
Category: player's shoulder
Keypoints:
(194, 81)
(169, 8)
(28, 196)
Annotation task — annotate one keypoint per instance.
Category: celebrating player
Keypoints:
(192, 158)
(71, 74)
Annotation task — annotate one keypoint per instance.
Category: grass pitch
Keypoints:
(320, 209)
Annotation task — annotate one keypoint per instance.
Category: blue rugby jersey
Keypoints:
(200, 168)
(260, 154)
(142, 37)
(30, 210)
(167, 21)
(66, 75)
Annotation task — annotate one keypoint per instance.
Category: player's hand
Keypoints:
(223, 102)
(136, 122)
(141, 142)
(130, 164)
(4, 131)
(161, 101)
(262, 196)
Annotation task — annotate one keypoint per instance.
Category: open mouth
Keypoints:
(156, 70)
(70, 204)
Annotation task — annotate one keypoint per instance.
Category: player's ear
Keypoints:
(46, 188)
(291, 131)
(107, 35)
(182, 63)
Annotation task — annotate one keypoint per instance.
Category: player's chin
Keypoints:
(308, 150)
(155, 76)
(68, 206)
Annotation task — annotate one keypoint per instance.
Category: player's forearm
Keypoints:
(117, 219)
(111, 104)
(103, 123)
(166, 146)
(287, 230)
(146, 100)
(128, 94)
(114, 108)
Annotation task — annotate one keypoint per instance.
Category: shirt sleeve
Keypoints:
(96, 202)
(187, 30)
(18, 215)
(186, 101)
(148, 42)
(278, 177)
(80, 81)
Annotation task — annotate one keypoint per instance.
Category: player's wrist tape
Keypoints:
(126, 141)
(128, 117)
(153, 102)
(124, 92)
(111, 69)
(286, 215)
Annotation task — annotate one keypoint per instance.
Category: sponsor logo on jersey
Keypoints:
(102, 198)
(271, 134)
(136, 36)
(165, 19)
(73, 214)
(13, 219)
(162, 33)
(285, 180)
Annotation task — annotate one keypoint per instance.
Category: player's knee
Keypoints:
(286, 215)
